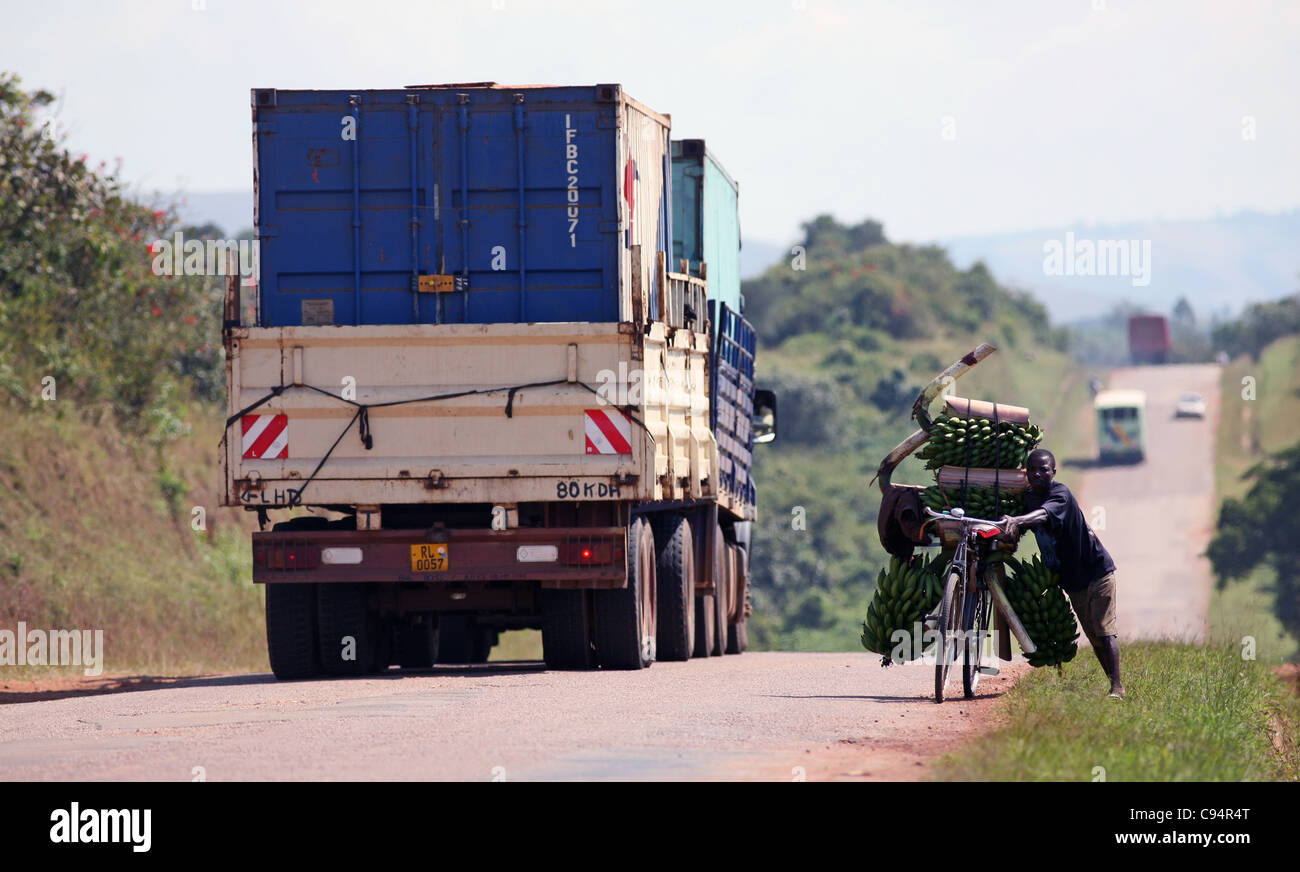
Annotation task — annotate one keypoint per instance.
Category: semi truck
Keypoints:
(1148, 339)
(477, 391)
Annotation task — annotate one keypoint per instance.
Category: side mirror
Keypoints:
(764, 416)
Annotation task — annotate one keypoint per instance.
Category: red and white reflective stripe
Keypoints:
(608, 431)
(266, 437)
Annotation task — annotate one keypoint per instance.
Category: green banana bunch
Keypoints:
(1045, 611)
(978, 443)
(979, 501)
(905, 593)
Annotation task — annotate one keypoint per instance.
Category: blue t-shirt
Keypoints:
(1068, 545)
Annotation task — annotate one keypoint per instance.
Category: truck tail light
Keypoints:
(589, 552)
(285, 556)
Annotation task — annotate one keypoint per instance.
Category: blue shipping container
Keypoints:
(457, 203)
(734, 344)
(706, 219)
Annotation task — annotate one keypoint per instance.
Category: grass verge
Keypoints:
(99, 532)
(1191, 714)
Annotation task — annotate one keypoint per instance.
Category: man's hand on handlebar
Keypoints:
(1014, 524)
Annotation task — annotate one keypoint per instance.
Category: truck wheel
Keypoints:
(462, 641)
(675, 635)
(738, 635)
(417, 642)
(720, 603)
(708, 606)
(625, 618)
(351, 637)
(291, 631)
(566, 630)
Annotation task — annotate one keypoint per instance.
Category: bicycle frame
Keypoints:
(964, 588)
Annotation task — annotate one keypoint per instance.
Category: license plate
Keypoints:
(429, 557)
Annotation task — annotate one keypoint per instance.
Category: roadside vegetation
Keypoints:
(1192, 713)
(110, 383)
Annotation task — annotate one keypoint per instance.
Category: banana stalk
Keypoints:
(922, 416)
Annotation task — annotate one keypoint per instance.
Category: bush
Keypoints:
(79, 300)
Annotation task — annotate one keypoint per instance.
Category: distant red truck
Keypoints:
(1148, 339)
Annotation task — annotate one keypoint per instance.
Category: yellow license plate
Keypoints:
(429, 558)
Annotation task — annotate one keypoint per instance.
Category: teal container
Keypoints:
(706, 220)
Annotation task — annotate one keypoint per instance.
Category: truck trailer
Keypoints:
(1148, 339)
(478, 390)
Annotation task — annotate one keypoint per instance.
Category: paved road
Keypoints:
(1159, 514)
(759, 716)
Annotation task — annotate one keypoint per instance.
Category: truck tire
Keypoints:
(707, 607)
(417, 642)
(462, 641)
(625, 618)
(720, 603)
(566, 630)
(675, 636)
(738, 634)
(343, 612)
(291, 631)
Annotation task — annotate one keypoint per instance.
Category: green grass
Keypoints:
(1244, 609)
(1191, 714)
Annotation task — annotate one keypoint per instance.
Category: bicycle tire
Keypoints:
(949, 609)
(975, 625)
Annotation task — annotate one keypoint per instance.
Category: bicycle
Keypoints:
(965, 610)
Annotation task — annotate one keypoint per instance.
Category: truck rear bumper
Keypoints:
(569, 557)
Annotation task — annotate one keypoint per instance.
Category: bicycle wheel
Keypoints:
(975, 625)
(949, 619)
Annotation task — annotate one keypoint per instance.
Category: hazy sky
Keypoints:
(938, 118)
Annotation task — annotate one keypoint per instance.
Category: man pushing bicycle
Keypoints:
(1070, 548)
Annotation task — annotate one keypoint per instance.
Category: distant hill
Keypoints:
(1218, 264)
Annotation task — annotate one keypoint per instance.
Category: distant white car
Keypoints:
(1190, 406)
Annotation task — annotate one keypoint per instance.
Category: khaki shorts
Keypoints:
(1095, 606)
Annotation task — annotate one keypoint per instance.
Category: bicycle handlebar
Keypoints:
(963, 518)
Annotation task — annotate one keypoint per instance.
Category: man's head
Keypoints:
(1040, 469)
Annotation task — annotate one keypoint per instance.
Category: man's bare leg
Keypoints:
(1110, 663)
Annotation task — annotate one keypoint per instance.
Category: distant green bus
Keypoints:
(1121, 426)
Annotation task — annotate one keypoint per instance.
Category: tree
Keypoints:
(1188, 343)
(79, 298)
(1259, 324)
